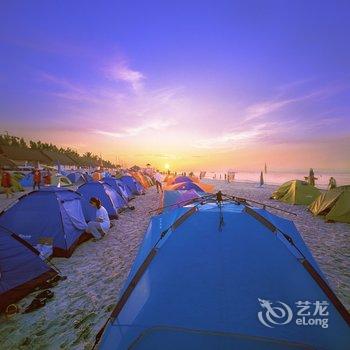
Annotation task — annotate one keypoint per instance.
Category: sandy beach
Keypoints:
(82, 303)
(96, 272)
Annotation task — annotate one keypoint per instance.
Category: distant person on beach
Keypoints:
(47, 178)
(96, 176)
(36, 179)
(6, 183)
(332, 183)
(100, 226)
(86, 176)
(158, 177)
(312, 177)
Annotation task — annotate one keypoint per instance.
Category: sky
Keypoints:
(198, 85)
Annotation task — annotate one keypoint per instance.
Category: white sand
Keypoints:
(96, 272)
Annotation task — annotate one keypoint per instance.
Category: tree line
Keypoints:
(9, 140)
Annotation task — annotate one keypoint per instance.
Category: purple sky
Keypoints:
(193, 84)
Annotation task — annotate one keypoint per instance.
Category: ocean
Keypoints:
(277, 178)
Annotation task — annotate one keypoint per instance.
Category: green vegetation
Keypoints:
(9, 140)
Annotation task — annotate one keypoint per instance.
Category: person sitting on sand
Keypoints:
(159, 178)
(6, 183)
(100, 226)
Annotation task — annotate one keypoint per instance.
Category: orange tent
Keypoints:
(141, 179)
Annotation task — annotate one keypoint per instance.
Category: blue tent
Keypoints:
(182, 179)
(189, 186)
(21, 269)
(76, 177)
(50, 213)
(133, 185)
(109, 198)
(27, 180)
(228, 277)
(118, 186)
(126, 189)
(175, 199)
(88, 177)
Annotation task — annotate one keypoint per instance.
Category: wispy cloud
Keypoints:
(235, 138)
(65, 89)
(134, 131)
(121, 71)
(107, 102)
(267, 107)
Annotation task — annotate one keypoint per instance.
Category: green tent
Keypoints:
(296, 192)
(333, 204)
(60, 180)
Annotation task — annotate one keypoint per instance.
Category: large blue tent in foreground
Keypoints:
(225, 276)
(21, 268)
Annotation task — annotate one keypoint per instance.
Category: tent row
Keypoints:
(51, 222)
(239, 274)
(333, 204)
(59, 216)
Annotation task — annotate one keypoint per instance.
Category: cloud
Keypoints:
(136, 130)
(267, 107)
(122, 72)
(63, 88)
(236, 138)
(263, 108)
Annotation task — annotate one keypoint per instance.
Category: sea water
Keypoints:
(277, 178)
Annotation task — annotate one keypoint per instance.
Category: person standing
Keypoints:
(312, 177)
(6, 183)
(101, 225)
(36, 179)
(47, 178)
(158, 177)
(332, 183)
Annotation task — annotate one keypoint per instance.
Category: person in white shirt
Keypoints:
(159, 178)
(100, 226)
